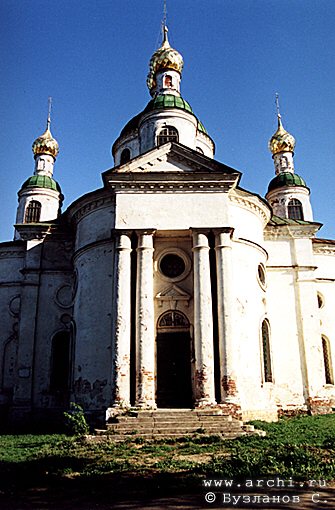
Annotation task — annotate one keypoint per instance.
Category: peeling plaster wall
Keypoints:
(11, 262)
(93, 319)
(55, 304)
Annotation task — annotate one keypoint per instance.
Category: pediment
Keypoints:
(171, 162)
(171, 157)
(173, 294)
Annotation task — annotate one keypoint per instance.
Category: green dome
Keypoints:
(41, 181)
(286, 179)
(161, 102)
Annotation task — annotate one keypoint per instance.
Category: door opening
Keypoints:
(174, 381)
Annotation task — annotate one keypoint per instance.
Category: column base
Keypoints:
(205, 402)
(146, 405)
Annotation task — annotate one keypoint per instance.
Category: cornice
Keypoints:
(323, 249)
(89, 204)
(249, 202)
(171, 183)
(308, 231)
(7, 254)
(31, 231)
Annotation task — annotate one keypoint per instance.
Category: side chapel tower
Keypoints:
(40, 196)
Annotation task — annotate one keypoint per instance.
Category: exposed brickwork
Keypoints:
(319, 406)
(229, 386)
(231, 409)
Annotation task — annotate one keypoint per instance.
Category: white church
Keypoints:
(170, 287)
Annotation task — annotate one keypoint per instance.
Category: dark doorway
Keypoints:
(174, 385)
(60, 367)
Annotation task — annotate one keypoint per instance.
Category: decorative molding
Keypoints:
(94, 204)
(323, 249)
(7, 254)
(171, 182)
(33, 231)
(173, 294)
(271, 233)
(64, 296)
(251, 206)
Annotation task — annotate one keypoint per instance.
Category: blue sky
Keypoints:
(92, 58)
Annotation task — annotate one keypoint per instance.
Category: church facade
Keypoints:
(170, 286)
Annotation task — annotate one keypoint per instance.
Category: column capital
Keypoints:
(224, 230)
(123, 241)
(145, 231)
(200, 230)
(223, 237)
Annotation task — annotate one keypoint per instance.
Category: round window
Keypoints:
(172, 266)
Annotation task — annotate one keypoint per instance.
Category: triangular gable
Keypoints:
(173, 294)
(170, 157)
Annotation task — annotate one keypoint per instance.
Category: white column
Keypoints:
(145, 327)
(203, 322)
(223, 250)
(121, 353)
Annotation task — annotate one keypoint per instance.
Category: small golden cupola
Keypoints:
(46, 143)
(163, 60)
(282, 140)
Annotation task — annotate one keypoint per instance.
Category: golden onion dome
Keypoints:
(46, 144)
(281, 141)
(164, 58)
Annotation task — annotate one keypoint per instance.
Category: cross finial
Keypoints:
(49, 112)
(277, 105)
(164, 27)
(164, 14)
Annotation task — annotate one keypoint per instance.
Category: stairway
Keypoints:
(169, 423)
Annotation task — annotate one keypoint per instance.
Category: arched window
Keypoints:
(329, 376)
(168, 81)
(60, 363)
(199, 149)
(167, 134)
(266, 352)
(173, 319)
(125, 156)
(294, 209)
(33, 212)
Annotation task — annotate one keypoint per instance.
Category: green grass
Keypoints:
(302, 448)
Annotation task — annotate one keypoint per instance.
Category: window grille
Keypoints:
(173, 319)
(167, 134)
(294, 210)
(33, 212)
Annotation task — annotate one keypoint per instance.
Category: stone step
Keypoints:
(102, 434)
(193, 420)
(176, 413)
(168, 417)
(170, 430)
(169, 424)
